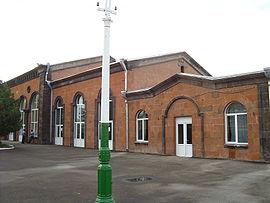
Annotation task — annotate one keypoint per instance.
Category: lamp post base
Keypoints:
(110, 200)
(104, 169)
(104, 184)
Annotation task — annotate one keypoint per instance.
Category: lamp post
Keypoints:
(104, 194)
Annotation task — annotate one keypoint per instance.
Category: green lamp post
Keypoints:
(104, 194)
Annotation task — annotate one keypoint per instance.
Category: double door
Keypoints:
(184, 136)
(58, 134)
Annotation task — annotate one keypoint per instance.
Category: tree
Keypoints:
(10, 116)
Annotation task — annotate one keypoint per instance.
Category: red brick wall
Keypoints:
(90, 90)
(22, 89)
(212, 104)
(148, 76)
(71, 71)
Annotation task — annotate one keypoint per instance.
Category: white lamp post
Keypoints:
(104, 169)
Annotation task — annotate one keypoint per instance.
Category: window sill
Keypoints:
(141, 142)
(233, 146)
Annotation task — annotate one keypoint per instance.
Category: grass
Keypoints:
(4, 146)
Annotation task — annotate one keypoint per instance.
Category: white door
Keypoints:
(79, 135)
(79, 122)
(184, 136)
(59, 134)
(110, 135)
(11, 136)
(59, 123)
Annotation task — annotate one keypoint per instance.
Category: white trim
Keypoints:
(235, 115)
(143, 129)
(79, 142)
(220, 77)
(22, 107)
(184, 149)
(58, 139)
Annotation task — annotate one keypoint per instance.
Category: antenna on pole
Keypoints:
(107, 8)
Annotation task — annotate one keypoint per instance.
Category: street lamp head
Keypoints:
(107, 8)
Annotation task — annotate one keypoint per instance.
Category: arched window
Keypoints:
(34, 114)
(236, 124)
(79, 118)
(142, 126)
(22, 108)
(59, 117)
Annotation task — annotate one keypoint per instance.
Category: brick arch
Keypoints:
(179, 98)
(58, 98)
(165, 115)
(231, 102)
(76, 96)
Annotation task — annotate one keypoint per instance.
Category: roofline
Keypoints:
(85, 75)
(29, 75)
(222, 77)
(78, 63)
(257, 77)
(150, 60)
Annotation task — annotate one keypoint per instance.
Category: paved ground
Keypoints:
(41, 173)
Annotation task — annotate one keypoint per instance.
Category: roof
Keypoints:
(257, 77)
(144, 61)
(78, 63)
(96, 72)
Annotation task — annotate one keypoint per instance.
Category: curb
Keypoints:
(12, 147)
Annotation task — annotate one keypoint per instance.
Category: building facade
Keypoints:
(165, 104)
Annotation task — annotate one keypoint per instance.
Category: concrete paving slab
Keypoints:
(48, 173)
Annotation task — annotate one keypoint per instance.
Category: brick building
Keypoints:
(165, 104)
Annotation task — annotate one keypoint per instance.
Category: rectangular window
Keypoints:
(36, 130)
(83, 112)
(180, 134)
(111, 111)
(78, 113)
(82, 130)
(139, 130)
(231, 128)
(77, 130)
(57, 116)
(61, 131)
(189, 133)
(145, 130)
(32, 116)
(110, 131)
(242, 128)
(62, 117)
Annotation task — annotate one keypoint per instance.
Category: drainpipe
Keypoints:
(51, 93)
(122, 62)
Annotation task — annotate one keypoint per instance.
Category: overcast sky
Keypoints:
(224, 36)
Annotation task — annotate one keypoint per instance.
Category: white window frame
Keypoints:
(235, 115)
(34, 123)
(79, 123)
(143, 128)
(22, 108)
(59, 108)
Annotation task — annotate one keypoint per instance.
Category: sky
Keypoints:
(224, 36)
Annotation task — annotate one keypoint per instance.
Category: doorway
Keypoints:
(184, 136)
